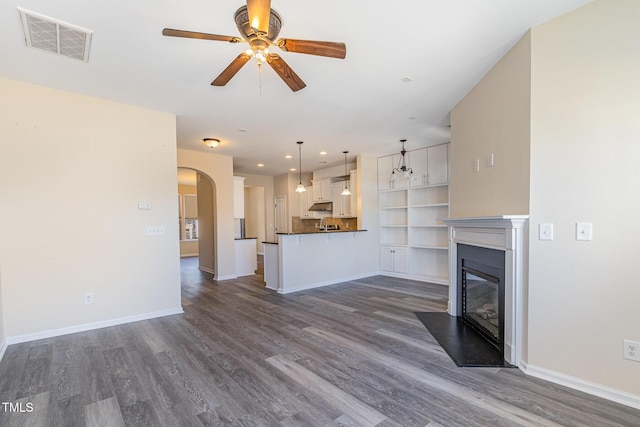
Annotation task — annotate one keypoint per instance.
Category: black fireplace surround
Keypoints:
(480, 287)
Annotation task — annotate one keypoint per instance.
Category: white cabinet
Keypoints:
(430, 166)
(394, 259)
(306, 200)
(438, 164)
(238, 197)
(322, 190)
(341, 204)
(419, 167)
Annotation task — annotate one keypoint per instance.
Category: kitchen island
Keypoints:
(310, 260)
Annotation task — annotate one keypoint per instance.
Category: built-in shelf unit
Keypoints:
(414, 240)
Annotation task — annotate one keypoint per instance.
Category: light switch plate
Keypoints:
(143, 205)
(155, 230)
(545, 231)
(584, 231)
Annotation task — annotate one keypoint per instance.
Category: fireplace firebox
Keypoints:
(481, 298)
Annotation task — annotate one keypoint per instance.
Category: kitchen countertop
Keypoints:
(321, 232)
(245, 238)
(270, 243)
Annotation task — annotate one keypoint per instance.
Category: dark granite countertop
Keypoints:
(245, 238)
(270, 243)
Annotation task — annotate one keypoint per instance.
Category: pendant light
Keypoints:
(346, 191)
(402, 171)
(300, 188)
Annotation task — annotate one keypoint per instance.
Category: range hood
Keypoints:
(322, 206)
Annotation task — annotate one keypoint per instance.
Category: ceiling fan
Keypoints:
(259, 26)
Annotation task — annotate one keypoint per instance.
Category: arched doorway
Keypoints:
(197, 217)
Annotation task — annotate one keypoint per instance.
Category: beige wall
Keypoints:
(206, 224)
(72, 171)
(2, 336)
(188, 248)
(583, 166)
(220, 170)
(493, 118)
(585, 113)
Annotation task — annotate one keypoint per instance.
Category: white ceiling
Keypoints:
(358, 104)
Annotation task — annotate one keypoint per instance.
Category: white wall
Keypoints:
(72, 170)
(2, 337)
(220, 170)
(267, 183)
(585, 135)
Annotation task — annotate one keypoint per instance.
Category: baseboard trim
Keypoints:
(91, 326)
(579, 384)
(326, 283)
(3, 348)
(207, 270)
(188, 255)
(228, 277)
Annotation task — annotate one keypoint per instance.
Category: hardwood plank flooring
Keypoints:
(351, 354)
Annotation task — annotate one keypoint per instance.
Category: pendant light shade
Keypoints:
(346, 191)
(402, 171)
(300, 188)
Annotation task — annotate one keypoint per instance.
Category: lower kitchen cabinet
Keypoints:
(394, 259)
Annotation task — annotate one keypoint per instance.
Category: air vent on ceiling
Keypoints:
(45, 33)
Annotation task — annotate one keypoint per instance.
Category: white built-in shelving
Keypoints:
(414, 240)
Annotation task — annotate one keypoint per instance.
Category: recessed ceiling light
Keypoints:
(412, 118)
(260, 165)
(406, 79)
(242, 130)
(292, 169)
(323, 153)
(288, 156)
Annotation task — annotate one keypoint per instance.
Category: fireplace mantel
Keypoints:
(505, 233)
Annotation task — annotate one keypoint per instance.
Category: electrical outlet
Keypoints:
(631, 350)
(88, 298)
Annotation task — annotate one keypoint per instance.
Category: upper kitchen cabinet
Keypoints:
(306, 200)
(341, 204)
(238, 197)
(322, 190)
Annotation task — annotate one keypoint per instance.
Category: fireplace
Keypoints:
(481, 291)
(493, 254)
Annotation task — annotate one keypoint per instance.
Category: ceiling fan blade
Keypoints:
(231, 70)
(310, 47)
(195, 35)
(285, 72)
(259, 12)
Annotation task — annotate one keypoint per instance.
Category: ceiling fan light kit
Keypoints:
(259, 25)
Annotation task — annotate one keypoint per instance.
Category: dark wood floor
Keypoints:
(345, 355)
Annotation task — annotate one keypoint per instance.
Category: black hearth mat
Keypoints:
(463, 345)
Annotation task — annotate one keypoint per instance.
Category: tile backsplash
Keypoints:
(308, 225)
